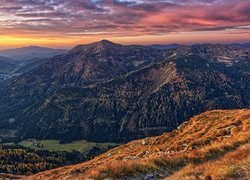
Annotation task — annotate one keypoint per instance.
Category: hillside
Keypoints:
(7, 67)
(107, 92)
(212, 145)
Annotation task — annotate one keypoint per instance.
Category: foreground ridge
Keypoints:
(212, 145)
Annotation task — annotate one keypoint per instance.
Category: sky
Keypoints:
(66, 23)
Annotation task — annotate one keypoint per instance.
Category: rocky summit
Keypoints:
(110, 92)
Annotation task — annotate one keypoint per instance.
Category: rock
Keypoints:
(149, 176)
(143, 142)
(109, 154)
(131, 157)
(184, 145)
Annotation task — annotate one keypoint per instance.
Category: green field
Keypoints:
(55, 145)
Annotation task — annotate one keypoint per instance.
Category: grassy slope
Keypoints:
(214, 144)
(54, 145)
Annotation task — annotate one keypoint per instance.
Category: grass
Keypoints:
(55, 145)
(214, 161)
(215, 144)
(233, 165)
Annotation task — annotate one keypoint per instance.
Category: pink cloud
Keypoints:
(117, 17)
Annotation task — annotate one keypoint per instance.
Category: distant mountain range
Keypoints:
(238, 45)
(110, 92)
(17, 61)
(174, 46)
(168, 46)
(30, 52)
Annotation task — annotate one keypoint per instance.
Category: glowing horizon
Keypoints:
(66, 23)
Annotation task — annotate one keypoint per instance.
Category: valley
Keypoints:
(33, 156)
(14, 62)
(55, 145)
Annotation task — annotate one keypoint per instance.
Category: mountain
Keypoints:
(30, 52)
(168, 46)
(109, 92)
(95, 62)
(212, 145)
(237, 45)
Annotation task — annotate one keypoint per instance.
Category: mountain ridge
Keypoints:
(107, 96)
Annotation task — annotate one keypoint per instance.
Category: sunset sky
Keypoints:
(65, 23)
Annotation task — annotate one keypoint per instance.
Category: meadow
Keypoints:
(55, 145)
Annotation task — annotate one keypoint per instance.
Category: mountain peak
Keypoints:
(105, 41)
(96, 46)
(105, 44)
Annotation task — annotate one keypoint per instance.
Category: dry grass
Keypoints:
(234, 165)
(214, 145)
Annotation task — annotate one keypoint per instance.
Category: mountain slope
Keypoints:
(204, 147)
(31, 64)
(99, 92)
(83, 65)
(7, 65)
(148, 101)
